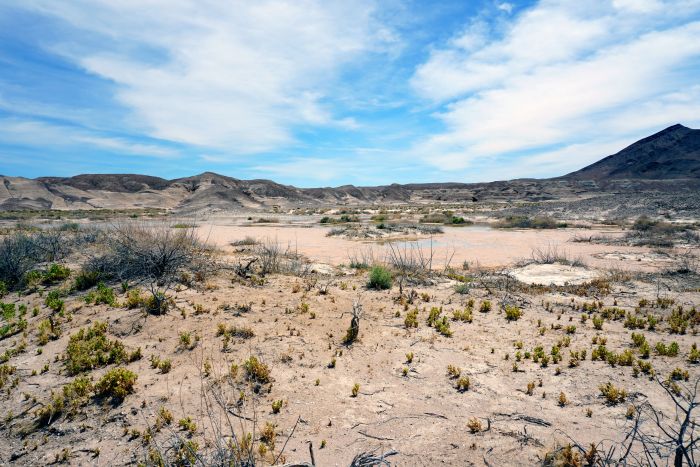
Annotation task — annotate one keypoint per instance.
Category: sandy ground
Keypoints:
(478, 245)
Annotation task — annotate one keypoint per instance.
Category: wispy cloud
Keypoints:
(561, 74)
(43, 134)
(236, 75)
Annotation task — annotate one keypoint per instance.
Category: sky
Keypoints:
(327, 93)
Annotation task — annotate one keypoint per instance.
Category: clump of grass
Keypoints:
(379, 278)
(411, 319)
(613, 395)
(103, 294)
(485, 306)
(355, 390)
(462, 384)
(89, 348)
(54, 301)
(513, 313)
(463, 315)
(453, 372)
(563, 401)
(188, 425)
(116, 383)
(256, 370)
(474, 425)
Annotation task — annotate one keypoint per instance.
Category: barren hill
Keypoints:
(668, 161)
(673, 153)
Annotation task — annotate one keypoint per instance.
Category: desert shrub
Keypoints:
(612, 394)
(379, 278)
(670, 350)
(18, 255)
(485, 306)
(277, 406)
(474, 425)
(103, 294)
(53, 300)
(411, 319)
(86, 279)
(256, 370)
(513, 313)
(154, 255)
(72, 397)
(55, 273)
(453, 372)
(89, 348)
(694, 354)
(463, 315)
(638, 339)
(462, 288)
(597, 322)
(117, 383)
(134, 298)
(462, 384)
(3, 289)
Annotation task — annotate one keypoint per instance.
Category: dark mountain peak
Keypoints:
(123, 183)
(672, 153)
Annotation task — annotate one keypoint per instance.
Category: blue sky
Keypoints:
(325, 93)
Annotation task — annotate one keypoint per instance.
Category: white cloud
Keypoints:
(33, 133)
(233, 75)
(561, 74)
(505, 6)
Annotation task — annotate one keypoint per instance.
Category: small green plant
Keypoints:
(411, 319)
(485, 306)
(116, 383)
(89, 348)
(86, 280)
(453, 371)
(54, 302)
(597, 322)
(474, 425)
(355, 390)
(513, 313)
(409, 357)
(613, 395)
(379, 278)
(277, 406)
(694, 354)
(256, 370)
(188, 425)
(103, 295)
(463, 384)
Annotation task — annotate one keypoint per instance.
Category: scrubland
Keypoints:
(134, 342)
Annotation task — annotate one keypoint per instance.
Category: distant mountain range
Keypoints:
(668, 161)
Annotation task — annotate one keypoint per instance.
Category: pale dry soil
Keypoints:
(477, 245)
(421, 415)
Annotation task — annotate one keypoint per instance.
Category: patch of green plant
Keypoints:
(379, 278)
(256, 370)
(117, 383)
(90, 348)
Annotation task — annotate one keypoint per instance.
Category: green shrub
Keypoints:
(256, 370)
(55, 273)
(103, 294)
(116, 383)
(53, 300)
(86, 280)
(89, 348)
(612, 394)
(485, 306)
(513, 313)
(379, 278)
(411, 320)
(3, 289)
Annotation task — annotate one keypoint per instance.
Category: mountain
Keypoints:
(673, 153)
(668, 161)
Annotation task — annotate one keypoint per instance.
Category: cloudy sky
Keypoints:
(319, 93)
